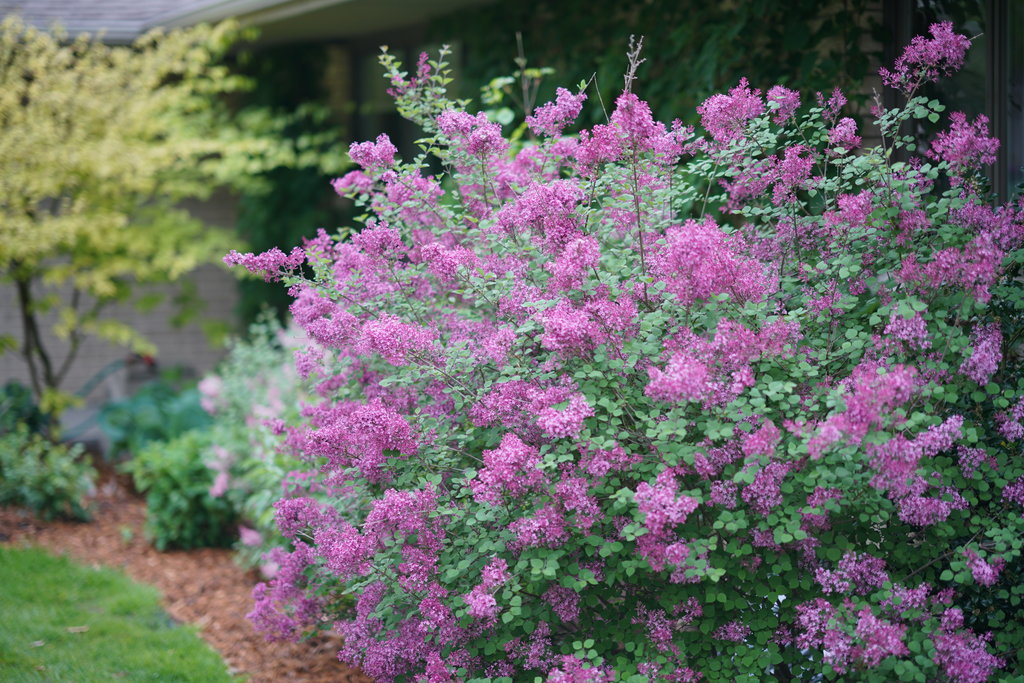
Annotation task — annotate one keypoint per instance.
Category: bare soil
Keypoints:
(202, 587)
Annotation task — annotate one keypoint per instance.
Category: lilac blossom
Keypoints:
(985, 573)
(879, 638)
(476, 135)
(927, 59)
(735, 631)
(966, 146)
(787, 102)
(724, 116)
(269, 264)
(986, 354)
(551, 118)
(844, 135)
(374, 157)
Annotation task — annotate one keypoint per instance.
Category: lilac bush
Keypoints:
(659, 403)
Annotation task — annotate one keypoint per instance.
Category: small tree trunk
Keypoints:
(40, 367)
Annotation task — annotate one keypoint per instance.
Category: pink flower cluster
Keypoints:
(715, 372)
(477, 136)
(966, 146)
(1011, 422)
(510, 469)
(874, 393)
(269, 264)
(786, 103)
(572, 265)
(961, 653)
(764, 494)
(855, 573)
(736, 631)
(724, 116)
(374, 157)
(844, 135)
(987, 352)
(699, 260)
(559, 412)
(552, 117)
(985, 573)
(913, 331)
(927, 59)
(395, 340)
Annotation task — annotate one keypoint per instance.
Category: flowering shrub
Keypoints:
(254, 393)
(651, 403)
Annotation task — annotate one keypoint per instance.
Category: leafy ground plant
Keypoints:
(51, 479)
(63, 622)
(180, 510)
(657, 403)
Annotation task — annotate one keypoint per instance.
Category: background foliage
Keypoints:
(159, 411)
(290, 82)
(181, 513)
(693, 50)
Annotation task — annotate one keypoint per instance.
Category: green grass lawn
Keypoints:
(60, 621)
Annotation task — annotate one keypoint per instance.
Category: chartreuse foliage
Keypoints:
(655, 403)
(99, 145)
(64, 622)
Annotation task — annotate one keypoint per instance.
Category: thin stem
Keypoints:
(639, 225)
(707, 192)
(405, 295)
(934, 560)
(33, 348)
(523, 82)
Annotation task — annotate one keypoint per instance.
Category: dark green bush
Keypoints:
(50, 479)
(18, 406)
(181, 512)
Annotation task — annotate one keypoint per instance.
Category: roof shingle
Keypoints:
(119, 20)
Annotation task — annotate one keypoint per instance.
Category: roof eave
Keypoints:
(250, 12)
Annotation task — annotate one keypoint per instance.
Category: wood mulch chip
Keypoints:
(202, 587)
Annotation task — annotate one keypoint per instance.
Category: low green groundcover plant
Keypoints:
(653, 403)
(180, 512)
(64, 622)
(53, 480)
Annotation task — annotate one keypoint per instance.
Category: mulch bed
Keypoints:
(202, 587)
